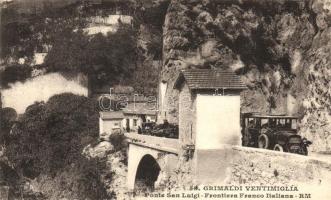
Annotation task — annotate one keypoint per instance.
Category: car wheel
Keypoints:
(305, 151)
(278, 148)
(263, 141)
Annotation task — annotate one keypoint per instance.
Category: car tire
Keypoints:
(278, 147)
(305, 151)
(263, 141)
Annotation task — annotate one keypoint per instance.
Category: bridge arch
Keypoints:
(147, 173)
(139, 157)
(148, 165)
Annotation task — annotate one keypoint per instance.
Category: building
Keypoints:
(129, 119)
(209, 125)
(133, 119)
(110, 122)
(209, 107)
(124, 121)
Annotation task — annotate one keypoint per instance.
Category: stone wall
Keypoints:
(187, 116)
(242, 165)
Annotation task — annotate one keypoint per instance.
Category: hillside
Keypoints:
(110, 43)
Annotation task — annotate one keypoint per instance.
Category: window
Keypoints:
(116, 125)
(135, 122)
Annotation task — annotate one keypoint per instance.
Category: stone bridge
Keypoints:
(150, 159)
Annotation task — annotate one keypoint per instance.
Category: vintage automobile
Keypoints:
(161, 130)
(147, 127)
(275, 132)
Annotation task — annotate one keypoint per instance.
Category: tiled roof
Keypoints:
(130, 109)
(210, 79)
(112, 115)
(140, 108)
(140, 112)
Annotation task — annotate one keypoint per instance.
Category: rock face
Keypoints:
(281, 49)
(114, 174)
(100, 150)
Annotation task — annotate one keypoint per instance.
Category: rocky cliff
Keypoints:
(280, 48)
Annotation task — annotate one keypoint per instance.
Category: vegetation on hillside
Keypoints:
(108, 59)
(47, 141)
(7, 119)
(112, 59)
(13, 73)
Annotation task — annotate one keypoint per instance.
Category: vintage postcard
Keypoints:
(165, 99)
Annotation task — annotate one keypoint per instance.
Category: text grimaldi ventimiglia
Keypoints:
(232, 191)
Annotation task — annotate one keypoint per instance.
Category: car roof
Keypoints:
(274, 117)
(257, 115)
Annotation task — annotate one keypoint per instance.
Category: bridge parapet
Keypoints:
(168, 145)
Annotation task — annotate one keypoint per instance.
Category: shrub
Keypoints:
(117, 140)
(89, 184)
(7, 120)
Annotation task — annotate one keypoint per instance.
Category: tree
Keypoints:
(7, 120)
(23, 34)
(48, 141)
(51, 135)
(24, 144)
(106, 59)
(14, 73)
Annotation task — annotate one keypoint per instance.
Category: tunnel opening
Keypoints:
(147, 173)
